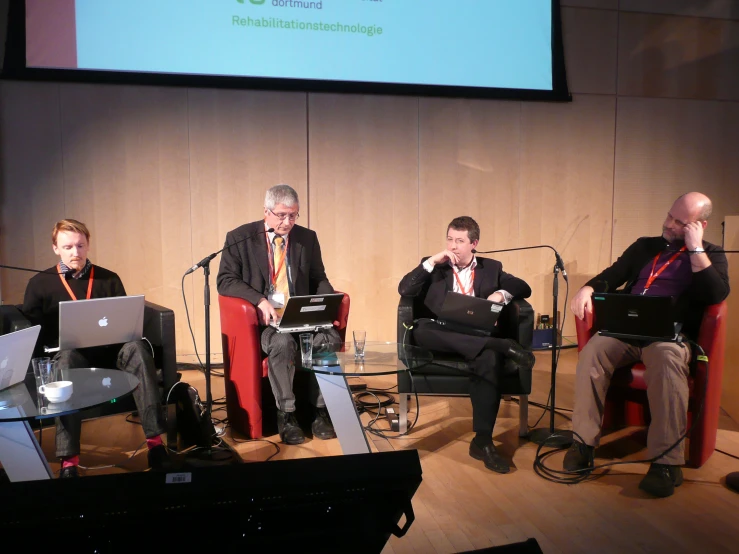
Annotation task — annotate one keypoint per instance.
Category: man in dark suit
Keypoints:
(457, 269)
(277, 260)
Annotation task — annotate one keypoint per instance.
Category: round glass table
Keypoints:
(20, 453)
(380, 358)
(332, 364)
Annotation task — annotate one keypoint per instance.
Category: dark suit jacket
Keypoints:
(244, 269)
(489, 277)
(708, 286)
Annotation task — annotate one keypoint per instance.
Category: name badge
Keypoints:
(277, 299)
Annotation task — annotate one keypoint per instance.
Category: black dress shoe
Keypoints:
(290, 431)
(522, 358)
(322, 426)
(159, 459)
(69, 472)
(489, 457)
(661, 480)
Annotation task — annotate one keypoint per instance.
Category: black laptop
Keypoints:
(309, 313)
(469, 314)
(635, 317)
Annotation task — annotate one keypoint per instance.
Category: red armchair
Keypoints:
(244, 365)
(626, 401)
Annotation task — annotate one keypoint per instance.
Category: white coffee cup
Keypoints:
(58, 391)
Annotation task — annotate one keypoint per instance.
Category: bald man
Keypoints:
(694, 273)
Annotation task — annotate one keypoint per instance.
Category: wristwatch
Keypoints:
(699, 249)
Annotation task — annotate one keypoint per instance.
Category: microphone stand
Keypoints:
(226, 456)
(551, 435)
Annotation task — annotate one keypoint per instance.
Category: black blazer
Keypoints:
(708, 286)
(244, 269)
(489, 277)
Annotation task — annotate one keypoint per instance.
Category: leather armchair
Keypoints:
(626, 400)
(448, 375)
(159, 329)
(245, 367)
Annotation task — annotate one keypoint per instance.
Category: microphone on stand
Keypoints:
(209, 257)
(550, 436)
(205, 264)
(30, 270)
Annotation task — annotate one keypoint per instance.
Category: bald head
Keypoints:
(690, 207)
(697, 203)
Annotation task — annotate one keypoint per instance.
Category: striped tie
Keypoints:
(280, 266)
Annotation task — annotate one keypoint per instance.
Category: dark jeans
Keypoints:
(132, 357)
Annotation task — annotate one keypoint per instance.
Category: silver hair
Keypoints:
(281, 194)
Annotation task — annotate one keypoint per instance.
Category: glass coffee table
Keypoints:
(332, 364)
(20, 452)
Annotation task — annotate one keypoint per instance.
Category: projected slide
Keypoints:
(467, 43)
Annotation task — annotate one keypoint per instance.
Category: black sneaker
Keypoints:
(322, 426)
(661, 480)
(159, 459)
(69, 472)
(492, 460)
(290, 431)
(578, 457)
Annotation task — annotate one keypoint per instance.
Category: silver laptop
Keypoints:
(100, 321)
(309, 313)
(16, 350)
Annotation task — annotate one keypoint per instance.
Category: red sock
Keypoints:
(68, 461)
(156, 441)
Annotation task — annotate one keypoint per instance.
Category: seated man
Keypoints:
(457, 269)
(73, 278)
(679, 264)
(271, 260)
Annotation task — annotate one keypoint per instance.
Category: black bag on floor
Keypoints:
(193, 427)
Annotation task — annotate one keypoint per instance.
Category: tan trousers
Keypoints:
(666, 375)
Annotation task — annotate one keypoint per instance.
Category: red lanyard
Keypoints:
(653, 275)
(69, 290)
(272, 273)
(459, 282)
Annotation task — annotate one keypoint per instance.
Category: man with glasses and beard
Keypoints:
(265, 270)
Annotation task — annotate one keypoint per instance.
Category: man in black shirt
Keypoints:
(75, 278)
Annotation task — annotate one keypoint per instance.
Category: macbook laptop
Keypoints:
(469, 314)
(16, 350)
(100, 321)
(635, 317)
(309, 313)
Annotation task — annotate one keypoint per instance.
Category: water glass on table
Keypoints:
(306, 348)
(359, 342)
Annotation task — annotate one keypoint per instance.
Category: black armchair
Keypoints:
(448, 375)
(159, 329)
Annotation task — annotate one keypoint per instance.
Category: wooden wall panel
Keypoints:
(590, 40)
(241, 144)
(31, 180)
(126, 177)
(469, 165)
(364, 200)
(730, 389)
(566, 194)
(720, 9)
(665, 148)
(678, 57)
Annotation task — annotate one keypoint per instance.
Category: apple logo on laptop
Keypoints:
(106, 382)
(4, 363)
(103, 322)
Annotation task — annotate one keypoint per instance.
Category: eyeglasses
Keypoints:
(283, 217)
